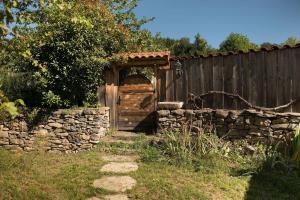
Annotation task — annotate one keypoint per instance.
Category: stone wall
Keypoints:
(247, 124)
(64, 131)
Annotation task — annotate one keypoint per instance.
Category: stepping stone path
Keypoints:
(118, 158)
(115, 183)
(123, 167)
(119, 164)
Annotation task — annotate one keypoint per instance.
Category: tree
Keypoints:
(236, 42)
(200, 46)
(267, 45)
(292, 41)
(71, 43)
(184, 47)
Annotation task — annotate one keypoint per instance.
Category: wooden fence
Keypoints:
(264, 78)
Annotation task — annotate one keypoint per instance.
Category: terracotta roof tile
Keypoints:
(143, 55)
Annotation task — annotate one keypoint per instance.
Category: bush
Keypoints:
(9, 109)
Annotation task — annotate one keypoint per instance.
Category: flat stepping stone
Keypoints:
(115, 183)
(93, 198)
(120, 167)
(116, 197)
(119, 158)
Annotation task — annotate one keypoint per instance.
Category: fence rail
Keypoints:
(263, 78)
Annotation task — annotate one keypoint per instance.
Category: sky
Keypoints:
(261, 20)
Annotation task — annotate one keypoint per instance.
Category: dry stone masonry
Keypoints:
(64, 131)
(247, 124)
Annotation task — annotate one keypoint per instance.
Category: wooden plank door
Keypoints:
(136, 104)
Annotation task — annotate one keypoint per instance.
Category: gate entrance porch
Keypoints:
(132, 97)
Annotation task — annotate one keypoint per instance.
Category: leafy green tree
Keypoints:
(291, 41)
(200, 46)
(267, 45)
(70, 43)
(236, 42)
(183, 47)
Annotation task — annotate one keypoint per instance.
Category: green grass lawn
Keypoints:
(58, 176)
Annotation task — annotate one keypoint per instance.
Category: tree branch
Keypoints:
(201, 97)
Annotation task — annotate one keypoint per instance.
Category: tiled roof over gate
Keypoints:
(146, 55)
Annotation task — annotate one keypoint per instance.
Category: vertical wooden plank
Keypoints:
(291, 70)
(162, 96)
(179, 84)
(271, 78)
(189, 77)
(194, 77)
(239, 80)
(109, 94)
(295, 78)
(201, 76)
(175, 84)
(101, 95)
(218, 101)
(157, 83)
(235, 72)
(259, 76)
(185, 81)
(253, 89)
(247, 82)
(208, 80)
(284, 77)
(228, 80)
(170, 84)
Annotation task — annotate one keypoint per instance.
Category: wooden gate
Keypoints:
(136, 104)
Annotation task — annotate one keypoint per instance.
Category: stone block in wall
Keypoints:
(262, 121)
(3, 134)
(221, 113)
(232, 116)
(190, 114)
(178, 112)
(237, 133)
(163, 113)
(169, 105)
(55, 125)
(286, 126)
(280, 121)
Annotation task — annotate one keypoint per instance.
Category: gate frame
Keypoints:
(108, 94)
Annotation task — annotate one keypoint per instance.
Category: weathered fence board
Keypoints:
(218, 81)
(295, 64)
(264, 78)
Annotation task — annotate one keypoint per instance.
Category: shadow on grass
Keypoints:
(270, 184)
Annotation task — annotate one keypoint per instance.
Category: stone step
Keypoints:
(120, 167)
(120, 158)
(111, 197)
(116, 197)
(94, 198)
(115, 183)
